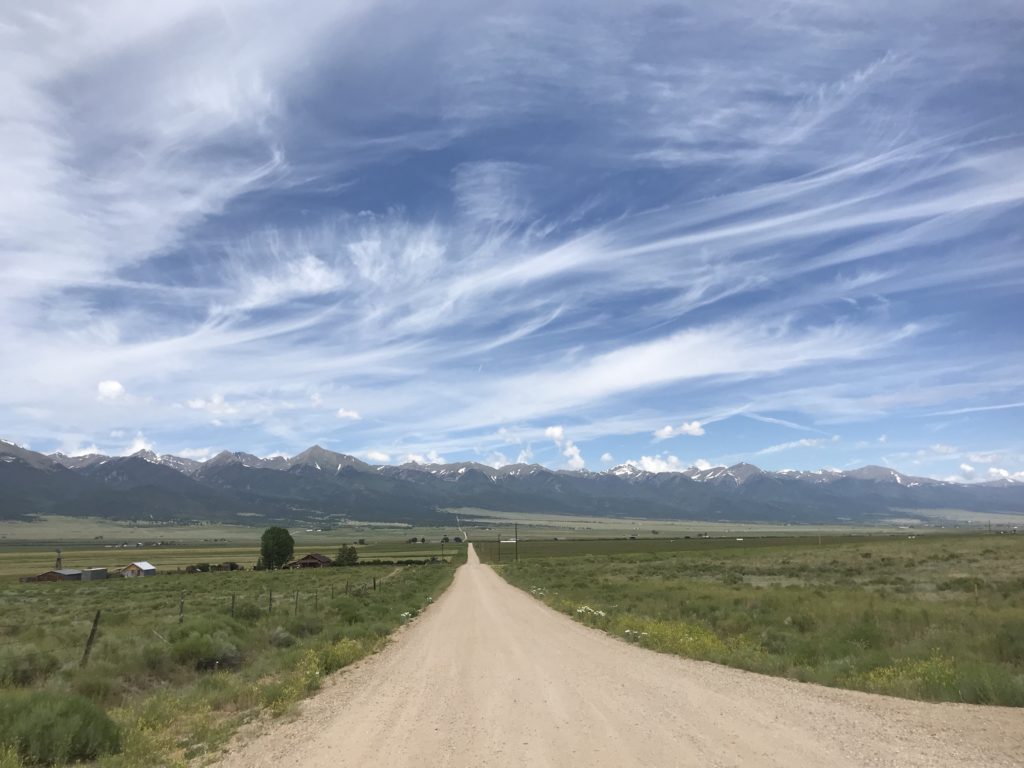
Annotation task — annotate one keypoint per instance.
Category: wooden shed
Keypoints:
(60, 574)
(141, 568)
(313, 560)
(93, 574)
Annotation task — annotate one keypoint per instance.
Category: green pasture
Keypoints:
(490, 550)
(181, 660)
(931, 617)
(27, 549)
(486, 523)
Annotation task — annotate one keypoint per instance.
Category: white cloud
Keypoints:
(349, 415)
(84, 450)
(942, 449)
(139, 443)
(883, 439)
(497, 459)
(508, 437)
(804, 443)
(109, 390)
(702, 464)
(555, 433)
(662, 463)
(985, 458)
(199, 454)
(287, 278)
(525, 455)
(998, 473)
(568, 448)
(692, 428)
(978, 409)
(967, 470)
(431, 457)
(377, 456)
(216, 405)
(393, 309)
(491, 192)
(607, 458)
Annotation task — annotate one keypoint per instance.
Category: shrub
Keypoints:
(206, 651)
(157, 658)
(1009, 641)
(280, 638)
(24, 667)
(306, 626)
(52, 728)
(961, 584)
(248, 612)
(99, 683)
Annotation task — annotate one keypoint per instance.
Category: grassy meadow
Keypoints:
(27, 549)
(161, 689)
(937, 617)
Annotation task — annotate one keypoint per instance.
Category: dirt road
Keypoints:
(488, 676)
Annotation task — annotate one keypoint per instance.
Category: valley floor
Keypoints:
(490, 676)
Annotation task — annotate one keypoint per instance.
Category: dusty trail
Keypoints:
(491, 677)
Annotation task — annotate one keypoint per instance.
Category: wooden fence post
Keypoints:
(91, 640)
(181, 608)
(232, 605)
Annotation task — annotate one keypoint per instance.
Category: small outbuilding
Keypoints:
(140, 568)
(93, 574)
(314, 560)
(60, 574)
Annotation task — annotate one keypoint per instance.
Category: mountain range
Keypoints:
(324, 487)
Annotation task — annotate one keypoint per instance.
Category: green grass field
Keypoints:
(27, 549)
(490, 551)
(931, 617)
(248, 642)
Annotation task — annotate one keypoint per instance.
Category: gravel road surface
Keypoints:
(489, 676)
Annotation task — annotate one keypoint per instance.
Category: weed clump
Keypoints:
(21, 666)
(52, 728)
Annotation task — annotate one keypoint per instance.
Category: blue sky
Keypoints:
(785, 233)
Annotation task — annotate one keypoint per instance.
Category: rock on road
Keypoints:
(489, 676)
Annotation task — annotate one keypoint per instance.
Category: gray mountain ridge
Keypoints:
(323, 485)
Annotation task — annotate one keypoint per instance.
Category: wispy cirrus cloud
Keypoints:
(555, 217)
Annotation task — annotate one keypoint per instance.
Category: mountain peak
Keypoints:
(321, 459)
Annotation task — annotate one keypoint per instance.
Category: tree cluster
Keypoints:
(347, 556)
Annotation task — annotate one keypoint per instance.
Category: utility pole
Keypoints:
(499, 547)
(517, 541)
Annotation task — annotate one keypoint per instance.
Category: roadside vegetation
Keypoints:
(182, 660)
(938, 618)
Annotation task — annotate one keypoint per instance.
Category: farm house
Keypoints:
(314, 560)
(140, 568)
